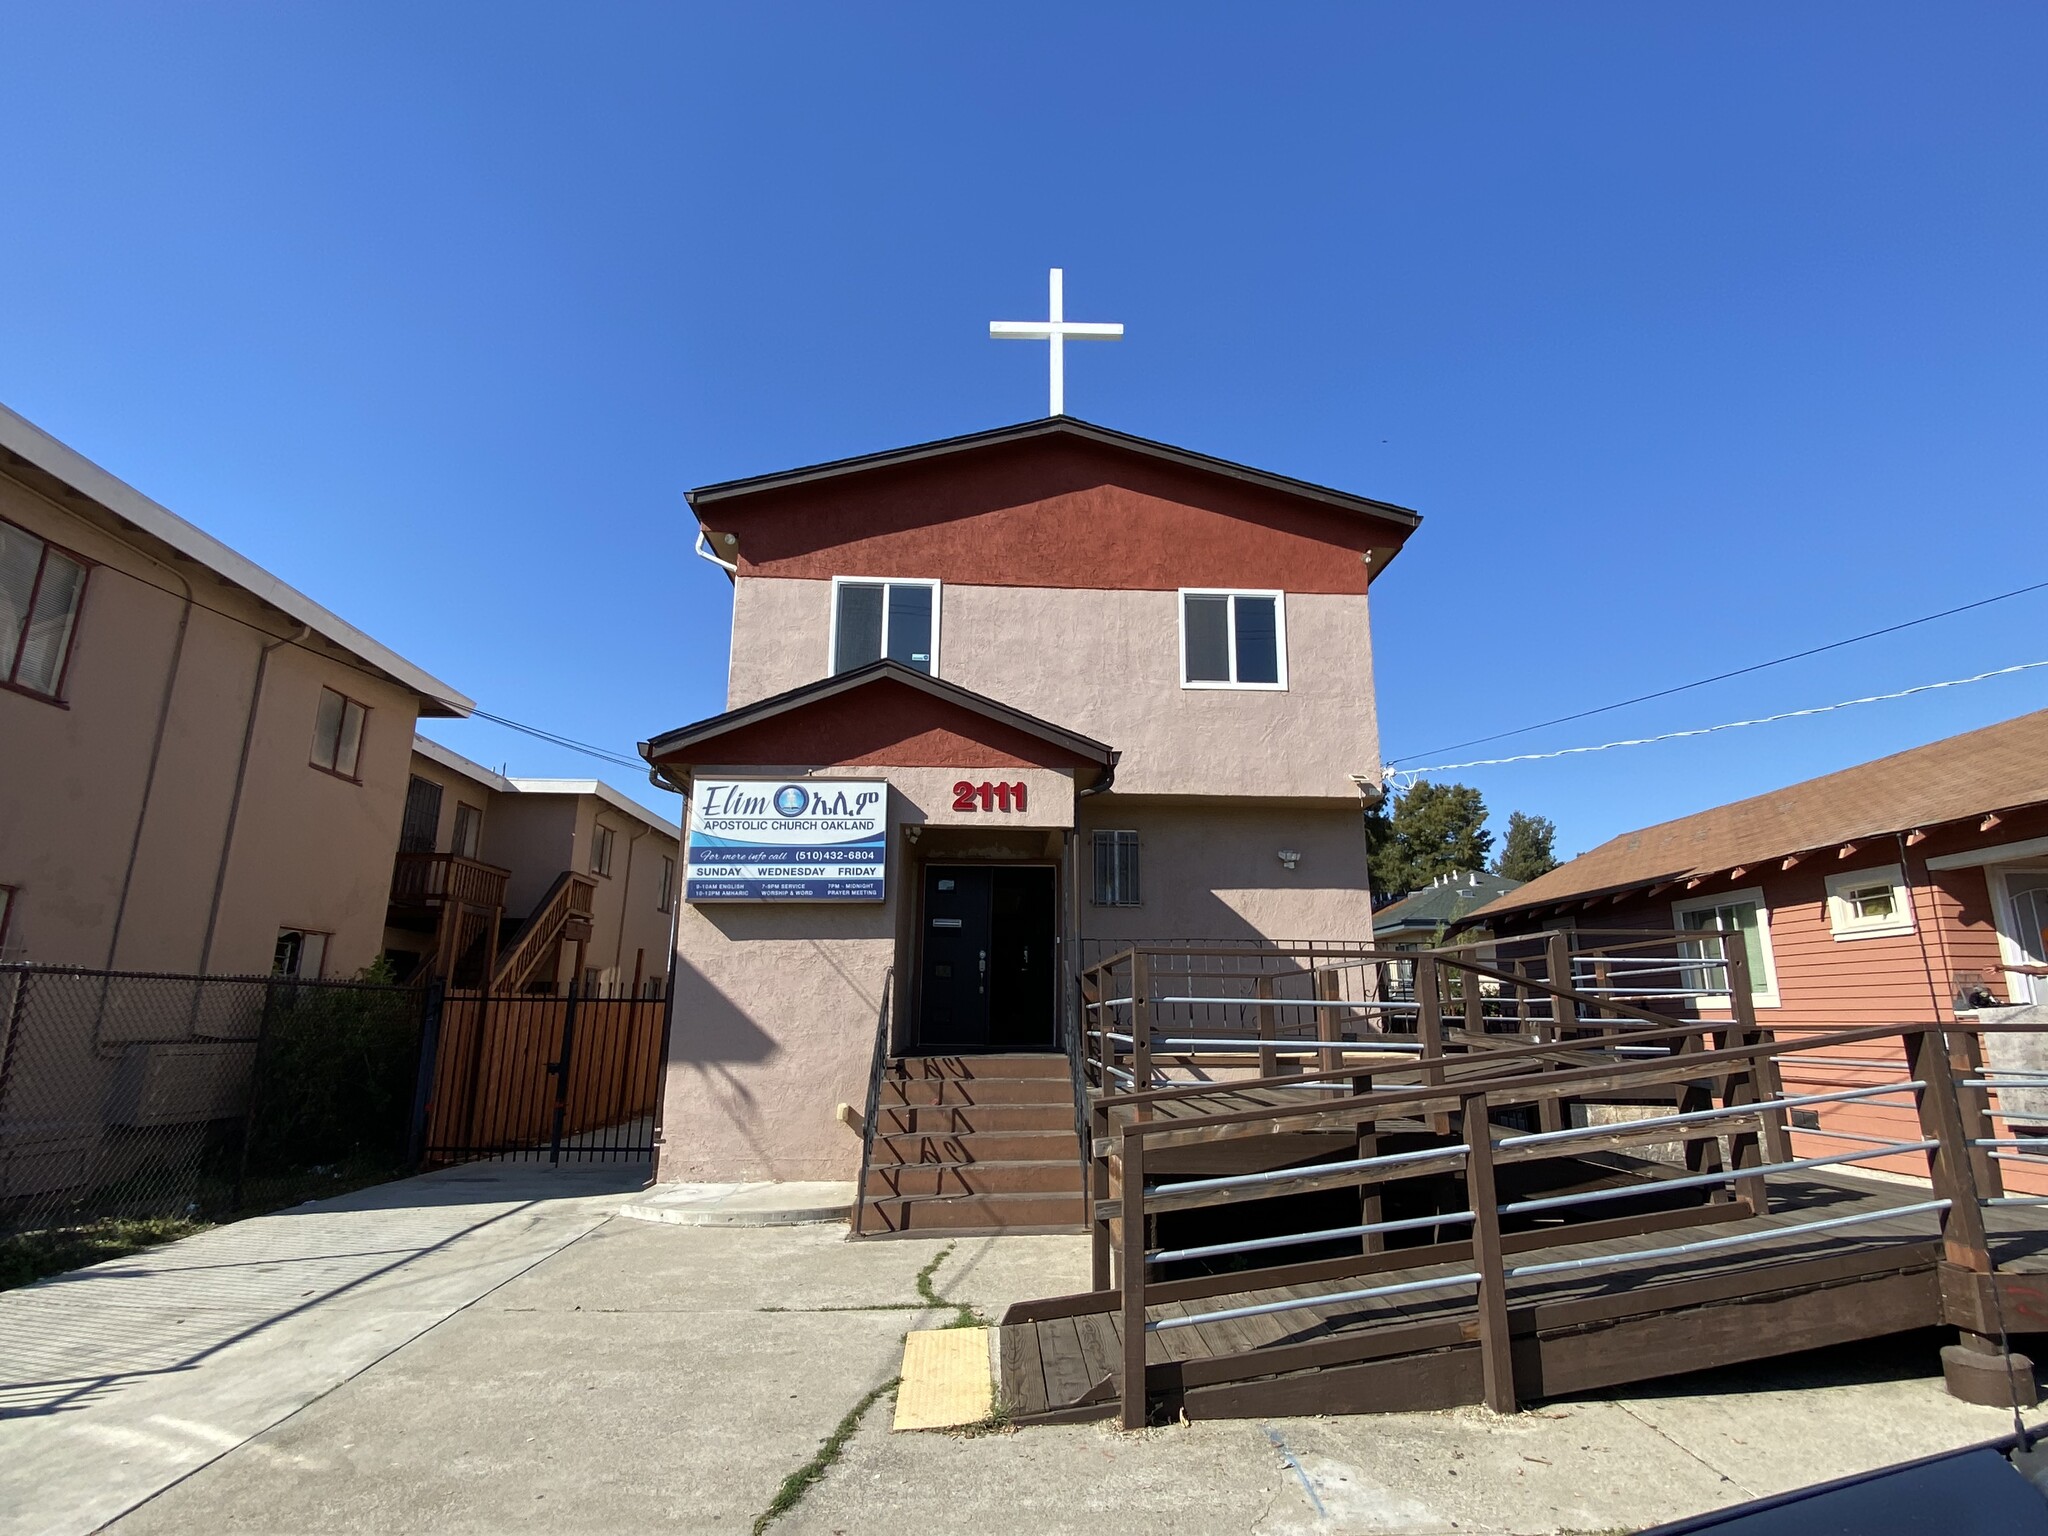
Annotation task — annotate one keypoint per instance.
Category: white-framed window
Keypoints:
(1116, 867)
(41, 587)
(601, 838)
(1743, 912)
(876, 619)
(469, 830)
(1869, 903)
(300, 954)
(338, 734)
(6, 917)
(1232, 639)
(667, 897)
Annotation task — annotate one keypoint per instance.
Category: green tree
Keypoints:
(1530, 849)
(1425, 831)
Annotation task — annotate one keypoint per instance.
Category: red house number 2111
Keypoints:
(988, 797)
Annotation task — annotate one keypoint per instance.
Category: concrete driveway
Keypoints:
(548, 1367)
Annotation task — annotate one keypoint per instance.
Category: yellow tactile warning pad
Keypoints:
(946, 1379)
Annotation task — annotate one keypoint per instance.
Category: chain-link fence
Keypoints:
(131, 1095)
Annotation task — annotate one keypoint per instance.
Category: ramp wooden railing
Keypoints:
(562, 912)
(1156, 1014)
(1747, 1113)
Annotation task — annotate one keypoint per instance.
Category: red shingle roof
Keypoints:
(2000, 767)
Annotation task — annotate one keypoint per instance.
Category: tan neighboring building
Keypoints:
(201, 769)
(530, 883)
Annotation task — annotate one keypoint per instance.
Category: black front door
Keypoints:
(987, 978)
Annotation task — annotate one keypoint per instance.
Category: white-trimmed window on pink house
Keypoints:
(41, 590)
(7, 923)
(1744, 912)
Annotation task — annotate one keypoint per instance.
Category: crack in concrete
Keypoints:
(811, 1473)
(1656, 1430)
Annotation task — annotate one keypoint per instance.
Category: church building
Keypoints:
(998, 704)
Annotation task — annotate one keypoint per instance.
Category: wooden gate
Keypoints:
(571, 1079)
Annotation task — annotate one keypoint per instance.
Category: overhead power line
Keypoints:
(1722, 677)
(570, 743)
(1411, 774)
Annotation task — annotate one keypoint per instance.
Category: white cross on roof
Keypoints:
(1056, 330)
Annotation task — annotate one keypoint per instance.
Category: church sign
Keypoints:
(792, 840)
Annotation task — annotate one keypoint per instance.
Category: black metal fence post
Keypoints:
(560, 1068)
(255, 1100)
(423, 1083)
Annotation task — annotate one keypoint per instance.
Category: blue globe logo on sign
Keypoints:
(792, 800)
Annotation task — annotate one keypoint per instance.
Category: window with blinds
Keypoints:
(1116, 868)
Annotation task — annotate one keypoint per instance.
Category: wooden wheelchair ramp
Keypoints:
(1635, 1312)
(1504, 1177)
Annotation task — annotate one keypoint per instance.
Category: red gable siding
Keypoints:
(1054, 513)
(883, 724)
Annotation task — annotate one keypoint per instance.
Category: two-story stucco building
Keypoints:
(525, 885)
(201, 768)
(1116, 691)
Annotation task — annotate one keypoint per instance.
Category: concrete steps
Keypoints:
(974, 1144)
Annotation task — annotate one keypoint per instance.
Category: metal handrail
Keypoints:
(876, 1062)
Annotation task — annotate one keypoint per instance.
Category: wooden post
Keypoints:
(1371, 1203)
(1564, 1014)
(1429, 1029)
(1496, 1351)
(1966, 1062)
(1141, 1022)
(1131, 1146)
(1269, 1059)
(1948, 1162)
(1099, 1272)
(1475, 1004)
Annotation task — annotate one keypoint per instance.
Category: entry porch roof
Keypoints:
(881, 715)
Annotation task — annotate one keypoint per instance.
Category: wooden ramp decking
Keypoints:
(1571, 1331)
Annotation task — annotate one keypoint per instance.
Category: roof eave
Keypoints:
(132, 510)
(1404, 518)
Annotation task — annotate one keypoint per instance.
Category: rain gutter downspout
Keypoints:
(227, 841)
(156, 747)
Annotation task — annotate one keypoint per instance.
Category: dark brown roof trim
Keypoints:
(1085, 747)
(1072, 426)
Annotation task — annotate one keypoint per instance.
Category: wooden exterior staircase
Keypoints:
(973, 1144)
(563, 916)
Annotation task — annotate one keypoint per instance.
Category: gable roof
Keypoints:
(1449, 900)
(2000, 767)
(884, 672)
(1058, 426)
(131, 513)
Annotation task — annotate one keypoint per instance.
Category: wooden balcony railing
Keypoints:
(438, 879)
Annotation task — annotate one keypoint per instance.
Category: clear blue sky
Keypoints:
(1698, 334)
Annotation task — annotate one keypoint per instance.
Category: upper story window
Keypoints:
(469, 830)
(1233, 639)
(6, 916)
(422, 823)
(40, 590)
(1742, 912)
(874, 619)
(601, 850)
(1869, 903)
(667, 896)
(338, 736)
